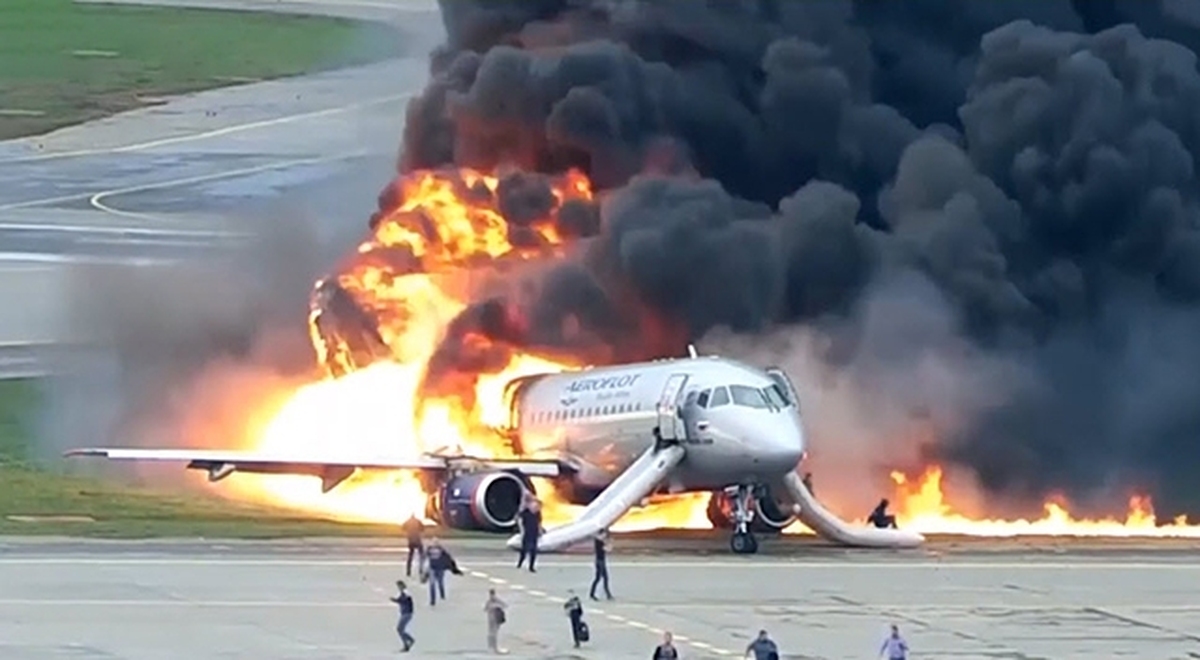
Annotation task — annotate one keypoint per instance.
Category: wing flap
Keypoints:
(332, 471)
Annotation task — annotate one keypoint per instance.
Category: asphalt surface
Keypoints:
(64, 599)
(190, 178)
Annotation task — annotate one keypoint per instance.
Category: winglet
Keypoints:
(692, 351)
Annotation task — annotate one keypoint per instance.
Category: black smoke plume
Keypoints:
(775, 163)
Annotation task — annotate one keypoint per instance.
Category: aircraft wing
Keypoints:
(333, 471)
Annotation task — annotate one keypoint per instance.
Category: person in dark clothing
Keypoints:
(574, 610)
(807, 481)
(880, 517)
(763, 647)
(600, 547)
(414, 529)
(405, 602)
(438, 562)
(530, 521)
(666, 650)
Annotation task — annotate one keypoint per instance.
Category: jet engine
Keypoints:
(482, 501)
(771, 513)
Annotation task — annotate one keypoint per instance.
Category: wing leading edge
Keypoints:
(220, 464)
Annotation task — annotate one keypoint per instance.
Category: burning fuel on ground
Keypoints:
(987, 232)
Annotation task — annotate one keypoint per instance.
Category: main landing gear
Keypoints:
(743, 541)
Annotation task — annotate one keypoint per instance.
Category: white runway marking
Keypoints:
(84, 602)
(115, 230)
(1148, 608)
(217, 132)
(615, 618)
(8, 259)
(96, 200)
(682, 564)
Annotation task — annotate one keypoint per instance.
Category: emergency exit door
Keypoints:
(670, 422)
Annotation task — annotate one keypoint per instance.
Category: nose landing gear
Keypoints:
(743, 541)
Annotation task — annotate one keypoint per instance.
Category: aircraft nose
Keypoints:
(785, 445)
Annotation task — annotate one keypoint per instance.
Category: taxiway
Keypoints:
(302, 599)
(188, 177)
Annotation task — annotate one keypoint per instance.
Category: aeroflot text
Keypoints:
(595, 384)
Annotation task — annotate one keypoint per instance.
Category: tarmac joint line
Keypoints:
(1137, 623)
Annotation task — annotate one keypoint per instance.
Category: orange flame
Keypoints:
(399, 275)
(406, 277)
(922, 506)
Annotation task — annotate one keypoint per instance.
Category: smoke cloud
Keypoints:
(187, 353)
(982, 211)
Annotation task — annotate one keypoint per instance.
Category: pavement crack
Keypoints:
(1139, 623)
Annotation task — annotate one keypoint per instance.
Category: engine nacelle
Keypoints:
(484, 501)
(771, 514)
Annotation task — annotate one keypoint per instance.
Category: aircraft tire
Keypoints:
(743, 543)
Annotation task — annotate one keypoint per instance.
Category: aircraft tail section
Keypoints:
(634, 484)
(823, 522)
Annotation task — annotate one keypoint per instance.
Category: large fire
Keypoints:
(411, 278)
(922, 506)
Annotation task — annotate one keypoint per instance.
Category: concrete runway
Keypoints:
(79, 599)
(183, 178)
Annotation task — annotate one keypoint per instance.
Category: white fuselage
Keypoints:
(739, 424)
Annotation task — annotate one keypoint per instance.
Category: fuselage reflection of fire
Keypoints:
(404, 279)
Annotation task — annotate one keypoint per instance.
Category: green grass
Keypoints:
(62, 63)
(30, 489)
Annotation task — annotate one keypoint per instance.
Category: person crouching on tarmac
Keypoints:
(574, 608)
(530, 521)
(437, 563)
(600, 547)
(880, 518)
(405, 602)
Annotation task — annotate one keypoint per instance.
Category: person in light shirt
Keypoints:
(894, 647)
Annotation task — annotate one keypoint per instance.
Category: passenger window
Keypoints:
(702, 400)
(720, 397)
(748, 396)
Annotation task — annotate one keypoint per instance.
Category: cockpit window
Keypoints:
(776, 397)
(720, 397)
(783, 386)
(748, 396)
(702, 400)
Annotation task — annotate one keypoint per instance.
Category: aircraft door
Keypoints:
(670, 419)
